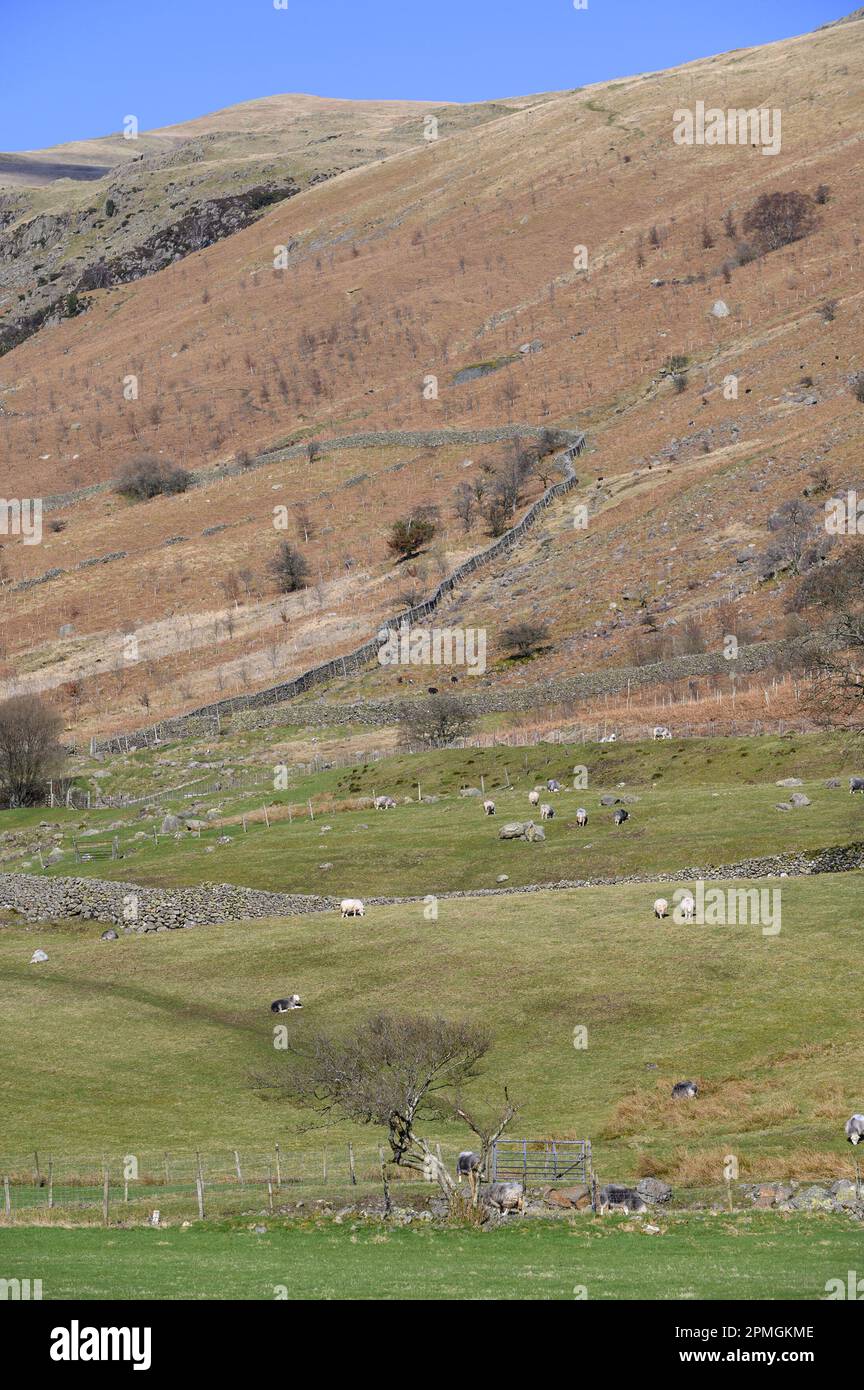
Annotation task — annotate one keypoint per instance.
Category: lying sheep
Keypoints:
(284, 1006)
(661, 907)
(685, 1090)
(581, 816)
(489, 807)
(351, 907)
(609, 738)
(547, 812)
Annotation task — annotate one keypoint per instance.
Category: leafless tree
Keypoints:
(29, 750)
(437, 719)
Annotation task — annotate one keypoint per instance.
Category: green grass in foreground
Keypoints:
(756, 1257)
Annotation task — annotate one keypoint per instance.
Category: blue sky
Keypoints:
(73, 69)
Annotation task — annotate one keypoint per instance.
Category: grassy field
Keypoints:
(758, 1257)
(698, 802)
(150, 1042)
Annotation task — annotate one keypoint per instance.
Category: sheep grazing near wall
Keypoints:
(489, 807)
(385, 803)
(351, 907)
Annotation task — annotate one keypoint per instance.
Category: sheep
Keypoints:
(685, 1090)
(855, 1129)
(37, 957)
(620, 816)
(660, 731)
(506, 1196)
(384, 803)
(856, 784)
(467, 1163)
(687, 907)
(661, 907)
(553, 785)
(547, 812)
(615, 1198)
(489, 807)
(534, 798)
(581, 816)
(609, 738)
(284, 1006)
(351, 907)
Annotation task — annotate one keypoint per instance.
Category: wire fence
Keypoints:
(186, 1184)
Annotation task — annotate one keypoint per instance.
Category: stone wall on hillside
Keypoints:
(137, 909)
(565, 690)
(162, 909)
(194, 723)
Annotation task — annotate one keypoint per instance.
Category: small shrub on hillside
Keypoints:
(778, 219)
(858, 387)
(524, 639)
(822, 194)
(148, 476)
(289, 569)
(409, 536)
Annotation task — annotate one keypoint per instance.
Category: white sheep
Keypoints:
(581, 816)
(687, 907)
(661, 731)
(384, 803)
(609, 738)
(534, 798)
(351, 907)
(661, 907)
(489, 807)
(546, 811)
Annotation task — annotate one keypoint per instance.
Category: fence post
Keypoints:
(7, 1198)
(237, 1166)
(351, 1168)
(50, 1183)
(105, 1195)
(278, 1167)
(199, 1187)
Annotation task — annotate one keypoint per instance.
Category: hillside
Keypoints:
(445, 257)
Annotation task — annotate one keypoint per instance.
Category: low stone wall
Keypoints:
(137, 909)
(566, 690)
(162, 909)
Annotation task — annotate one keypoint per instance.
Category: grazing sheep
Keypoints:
(855, 1129)
(660, 731)
(351, 907)
(385, 803)
(581, 816)
(467, 1163)
(547, 812)
(615, 1198)
(534, 798)
(620, 816)
(284, 1006)
(687, 907)
(685, 1090)
(856, 784)
(506, 1196)
(661, 907)
(553, 785)
(489, 807)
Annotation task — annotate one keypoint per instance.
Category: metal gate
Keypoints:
(541, 1160)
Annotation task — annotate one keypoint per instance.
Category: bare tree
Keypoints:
(435, 721)
(393, 1072)
(837, 590)
(29, 751)
(778, 219)
(524, 638)
(465, 505)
